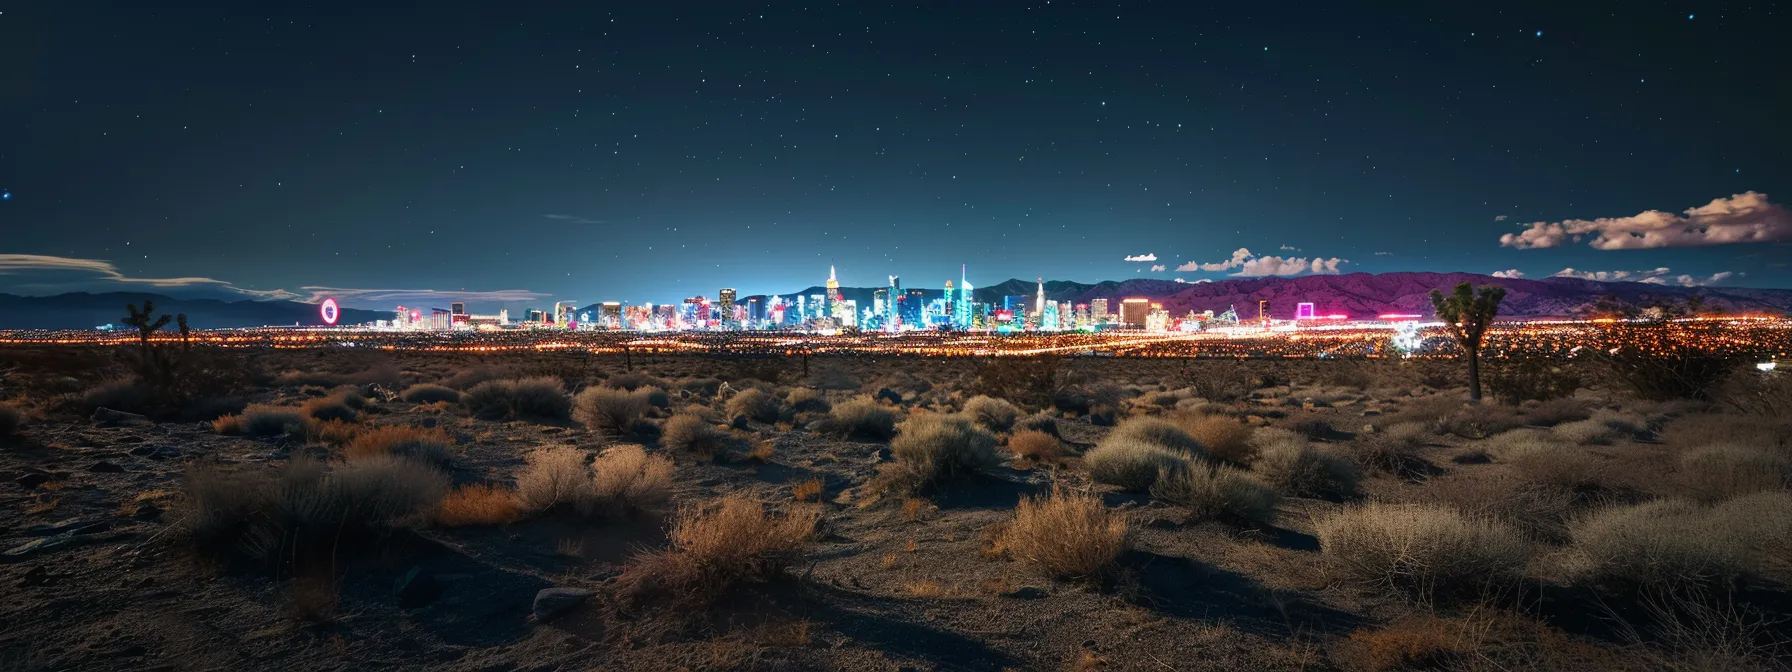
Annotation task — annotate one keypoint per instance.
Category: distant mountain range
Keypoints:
(1362, 294)
(82, 310)
(1354, 294)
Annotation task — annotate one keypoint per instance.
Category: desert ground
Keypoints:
(352, 509)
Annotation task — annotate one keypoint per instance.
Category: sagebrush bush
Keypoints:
(1224, 438)
(262, 420)
(1067, 534)
(1555, 411)
(1132, 464)
(425, 393)
(1293, 466)
(1721, 472)
(334, 407)
(479, 504)
(632, 381)
(1422, 551)
(1218, 492)
(806, 400)
(862, 418)
(553, 477)
(1038, 422)
(306, 508)
(1160, 432)
(929, 448)
(1036, 446)
(609, 410)
(1663, 544)
(1564, 466)
(1394, 449)
(11, 419)
(997, 415)
(539, 398)
(382, 492)
(1478, 421)
(429, 445)
(626, 479)
(1605, 426)
(754, 404)
(712, 549)
(690, 433)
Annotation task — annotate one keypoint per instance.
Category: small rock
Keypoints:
(739, 422)
(1368, 429)
(107, 416)
(1255, 420)
(884, 393)
(103, 467)
(1371, 412)
(1025, 593)
(551, 602)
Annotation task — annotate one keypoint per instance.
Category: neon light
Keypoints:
(1398, 316)
(1303, 311)
(1337, 316)
(329, 311)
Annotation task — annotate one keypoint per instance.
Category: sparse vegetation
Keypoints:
(690, 433)
(713, 549)
(541, 398)
(930, 448)
(1036, 446)
(1294, 467)
(996, 415)
(1066, 534)
(862, 419)
(1218, 491)
(610, 410)
(262, 420)
(1226, 439)
(754, 404)
(1426, 552)
(479, 504)
(431, 446)
(622, 480)
(425, 393)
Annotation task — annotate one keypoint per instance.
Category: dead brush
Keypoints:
(479, 504)
(429, 445)
(711, 550)
(1036, 447)
(1067, 534)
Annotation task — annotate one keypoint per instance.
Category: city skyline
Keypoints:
(656, 152)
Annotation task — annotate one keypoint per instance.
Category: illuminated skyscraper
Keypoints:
(1134, 311)
(945, 307)
(1098, 310)
(833, 287)
(725, 301)
(892, 317)
(961, 309)
(1039, 306)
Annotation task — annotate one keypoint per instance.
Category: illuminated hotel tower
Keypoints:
(1038, 315)
(891, 316)
(961, 313)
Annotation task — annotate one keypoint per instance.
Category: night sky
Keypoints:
(521, 152)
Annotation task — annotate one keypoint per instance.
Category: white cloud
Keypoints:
(387, 298)
(1252, 266)
(1182, 281)
(1747, 217)
(1509, 274)
(1691, 281)
(1142, 257)
(53, 273)
(1384, 254)
(1500, 218)
(1158, 267)
(1290, 248)
(1612, 276)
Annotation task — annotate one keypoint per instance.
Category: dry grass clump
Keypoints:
(1067, 534)
(690, 433)
(1038, 422)
(11, 419)
(429, 445)
(1162, 433)
(1671, 544)
(754, 404)
(1564, 466)
(479, 504)
(306, 509)
(1394, 449)
(261, 420)
(1224, 438)
(632, 381)
(621, 480)
(609, 410)
(1036, 446)
(1478, 421)
(1218, 491)
(1555, 411)
(1421, 551)
(539, 398)
(862, 418)
(1541, 512)
(807, 400)
(426, 393)
(930, 448)
(1604, 426)
(1293, 466)
(1131, 464)
(340, 406)
(713, 549)
(997, 415)
(1721, 472)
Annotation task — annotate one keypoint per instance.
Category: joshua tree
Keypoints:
(1468, 313)
(145, 321)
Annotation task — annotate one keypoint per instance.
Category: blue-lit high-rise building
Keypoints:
(892, 317)
(961, 307)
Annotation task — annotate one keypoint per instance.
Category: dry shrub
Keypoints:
(1555, 411)
(1038, 422)
(808, 491)
(1670, 544)
(479, 504)
(713, 549)
(933, 447)
(1567, 467)
(1218, 492)
(1422, 551)
(1160, 432)
(262, 420)
(632, 381)
(538, 398)
(331, 432)
(1132, 465)
(862, 418)
(1604, 426)
(1036, 446)
(425, 393)
(337, 406)
(429, 445)
(1067, 534)
(807, 400)
(1743, 429)
(1420, 643)
(1478, 421)
(754, 404)
(306, 508)
(690, 433)
(1293, 466)
(1395, 449)
(996, 415)
(625, 479)
(609, 410)
(1721, 472)
(1224, 438)
(11, 419)
(1542, 513)
(1032, 381)
(553, 477)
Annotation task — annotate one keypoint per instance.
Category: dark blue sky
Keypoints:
(650, 151)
